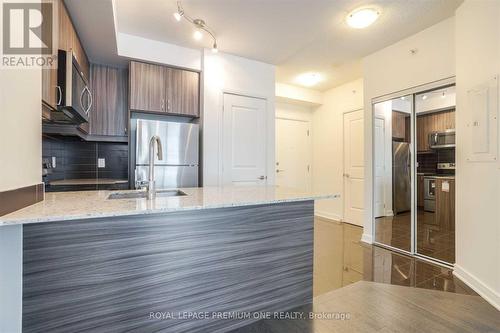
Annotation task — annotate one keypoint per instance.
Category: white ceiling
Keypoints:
(295, 35)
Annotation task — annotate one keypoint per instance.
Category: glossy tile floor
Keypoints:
(375, 307)
(399, 294)
(433, 240)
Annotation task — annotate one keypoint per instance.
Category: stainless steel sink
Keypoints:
(143, 194)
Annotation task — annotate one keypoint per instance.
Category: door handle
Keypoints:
(346, 175)
(279, 170)
(262, 177)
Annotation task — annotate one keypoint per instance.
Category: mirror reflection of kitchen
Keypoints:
(435, 137)
(392, 159)
(432, 115)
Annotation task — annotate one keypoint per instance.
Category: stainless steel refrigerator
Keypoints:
(401, 181)
(179, 167)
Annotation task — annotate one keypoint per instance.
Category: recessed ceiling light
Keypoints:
(424, 97)
(403, 98)
(197, 34)
(309, 79)
(362, 17)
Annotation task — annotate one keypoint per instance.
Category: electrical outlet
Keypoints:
(101, 163)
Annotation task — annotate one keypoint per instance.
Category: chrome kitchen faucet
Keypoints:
(151, 179)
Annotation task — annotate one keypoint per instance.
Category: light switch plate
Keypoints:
(101, 163)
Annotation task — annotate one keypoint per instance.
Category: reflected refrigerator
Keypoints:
(180, 141)
(401, 181)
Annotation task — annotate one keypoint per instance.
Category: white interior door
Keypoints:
(379, 167)
(293, 153)
(244, 140)
(353, 167)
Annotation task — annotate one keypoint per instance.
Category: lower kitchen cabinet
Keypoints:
(420, 191)
(109, 114)
(445, 204)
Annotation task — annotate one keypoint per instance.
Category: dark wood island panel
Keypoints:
(111, 274)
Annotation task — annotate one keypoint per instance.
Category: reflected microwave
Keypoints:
(440, 140)
(75, 97)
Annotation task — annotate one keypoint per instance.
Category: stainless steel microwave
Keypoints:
(75, 97)
(440, 140)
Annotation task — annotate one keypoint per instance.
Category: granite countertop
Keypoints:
(100, 181)
(65, 206)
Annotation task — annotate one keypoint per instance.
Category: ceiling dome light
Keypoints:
(197, 34)
(308, 79)
(362, 18)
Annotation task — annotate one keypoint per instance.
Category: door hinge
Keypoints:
(307, 132)
(308, 168)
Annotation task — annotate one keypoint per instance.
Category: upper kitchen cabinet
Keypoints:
(433, 122)
(109, 114)
(69, 40)
(183, 92)
(155, 88)
(147, 87)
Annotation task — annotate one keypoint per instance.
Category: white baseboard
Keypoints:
(328, 216)
(478, 286)
(367, 238)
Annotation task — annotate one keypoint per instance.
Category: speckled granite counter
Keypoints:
(67, 206)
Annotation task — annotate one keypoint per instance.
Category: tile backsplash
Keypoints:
(77, 159)
(427, 162)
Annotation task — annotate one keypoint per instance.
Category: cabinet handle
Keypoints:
(168, 104)
(162, 104)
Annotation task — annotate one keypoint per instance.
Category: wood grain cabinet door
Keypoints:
(147, 87)
(182, 91)
(108, 115)
(65, 28)
(420, 191)
(445, 204)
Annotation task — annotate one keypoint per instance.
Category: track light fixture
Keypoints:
(199, 26)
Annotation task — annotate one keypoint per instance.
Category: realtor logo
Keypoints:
(28, 34)
(27, 28)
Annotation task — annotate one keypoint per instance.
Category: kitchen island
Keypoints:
(204, 261)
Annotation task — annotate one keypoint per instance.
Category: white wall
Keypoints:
(21, 165)
(155, 51)
(395, 68)
(224, 73)
(297, 95)
(328, 144)
(477, 183)
(294, 111)
(20, 128)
